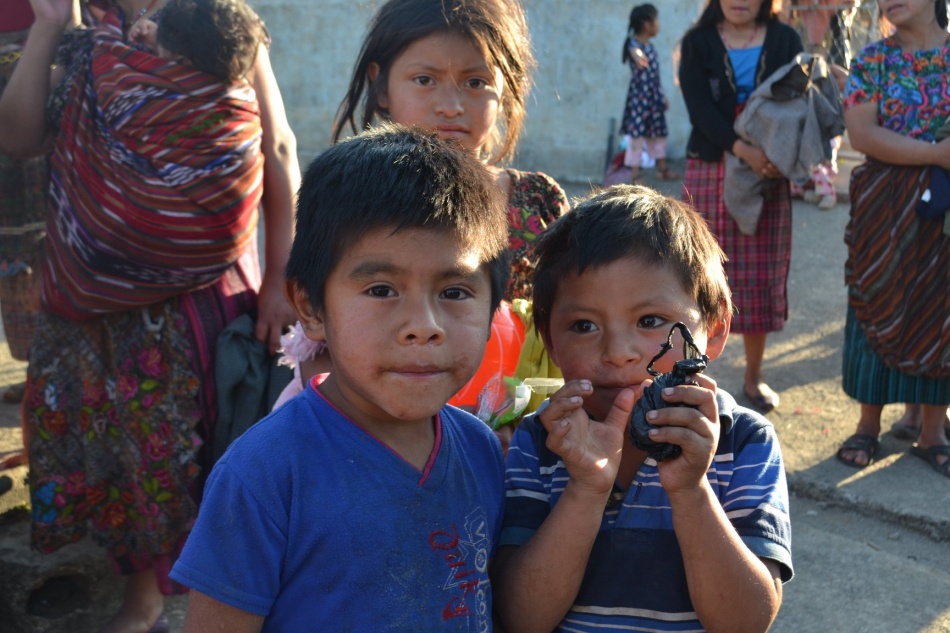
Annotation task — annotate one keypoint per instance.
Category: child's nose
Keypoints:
(449, 102)
(620, 349)
(422, 322)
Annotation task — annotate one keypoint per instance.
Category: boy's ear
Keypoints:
(716, 336)
(372, 72)
(311, 320)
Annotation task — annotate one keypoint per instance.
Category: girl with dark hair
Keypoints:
(897, 337)
(644, 120)
(483, 108)
(734, 46)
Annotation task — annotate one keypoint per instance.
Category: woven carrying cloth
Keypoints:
(157, 179)
(898, 270)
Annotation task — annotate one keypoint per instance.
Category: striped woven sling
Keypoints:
(156, 180)
(898, 270)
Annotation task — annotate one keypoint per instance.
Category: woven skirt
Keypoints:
(866, 378)
(757, 265)
(122, 409)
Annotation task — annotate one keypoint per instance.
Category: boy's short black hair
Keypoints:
(399, 178)
(637, 222)
(220, 37)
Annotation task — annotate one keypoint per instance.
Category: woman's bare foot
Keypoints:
(142, 607)
(17, 459)
(908, 426)
(663, 171)
(762, 397)
(14, 393)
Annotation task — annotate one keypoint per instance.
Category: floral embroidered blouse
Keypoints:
(912, 89)
(535, 201)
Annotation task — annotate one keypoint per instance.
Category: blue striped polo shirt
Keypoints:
(635, 578)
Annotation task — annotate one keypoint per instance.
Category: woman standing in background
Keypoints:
(732, 48)
(121, 392)
(897, 337)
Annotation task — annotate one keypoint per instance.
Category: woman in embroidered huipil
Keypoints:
(897, 332)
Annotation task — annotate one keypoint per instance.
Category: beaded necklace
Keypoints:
(749, 41)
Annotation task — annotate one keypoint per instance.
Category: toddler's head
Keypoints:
(613, 276)
(497, 31)
(220, 37)
(637, 223)
(641, 16)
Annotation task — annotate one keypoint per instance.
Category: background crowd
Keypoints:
(142, 140)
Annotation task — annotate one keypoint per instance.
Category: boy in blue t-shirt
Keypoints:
(597, 535)
(365, 503)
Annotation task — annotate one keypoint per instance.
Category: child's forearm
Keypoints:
(535, 585)
(731, 589)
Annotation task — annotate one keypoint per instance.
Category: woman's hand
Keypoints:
(756, 159)
(942, 153)
(274, 314)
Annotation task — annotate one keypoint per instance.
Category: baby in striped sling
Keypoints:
(220, 37)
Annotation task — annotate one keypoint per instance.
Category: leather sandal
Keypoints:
(859, 442)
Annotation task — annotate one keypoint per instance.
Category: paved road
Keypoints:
(871, 548)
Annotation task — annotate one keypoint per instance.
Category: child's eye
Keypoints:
(650, 321)
(582, 327)
(456, 294)
(477, 83)
(423, 80)
(381, 292)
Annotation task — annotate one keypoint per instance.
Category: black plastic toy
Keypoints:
(693, 363)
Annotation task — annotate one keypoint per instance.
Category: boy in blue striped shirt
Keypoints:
(597, 535)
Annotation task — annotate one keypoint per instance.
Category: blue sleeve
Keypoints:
(234, 553)
(527, 502)
(756, 500)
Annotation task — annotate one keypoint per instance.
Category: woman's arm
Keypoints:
(23, 129)
(868, 136)
(281, 180)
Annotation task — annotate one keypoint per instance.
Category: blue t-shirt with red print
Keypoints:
(315, 524)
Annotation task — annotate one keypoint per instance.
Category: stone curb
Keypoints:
(803, 486)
